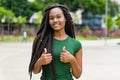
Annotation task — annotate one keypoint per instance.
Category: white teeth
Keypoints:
(56, 25)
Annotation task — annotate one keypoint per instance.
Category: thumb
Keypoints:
(64, 49)
(45, 51)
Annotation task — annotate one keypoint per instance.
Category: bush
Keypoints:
(86, 31)
(115, 34)
(99, 33)
(16, 32)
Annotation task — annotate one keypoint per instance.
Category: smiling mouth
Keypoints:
(56, 25)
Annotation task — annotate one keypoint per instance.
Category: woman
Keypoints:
(55, 50)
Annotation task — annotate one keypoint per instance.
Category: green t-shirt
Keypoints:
(63, 71)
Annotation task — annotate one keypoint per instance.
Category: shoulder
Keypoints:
(76, 43)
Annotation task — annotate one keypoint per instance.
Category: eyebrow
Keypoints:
(56, 14)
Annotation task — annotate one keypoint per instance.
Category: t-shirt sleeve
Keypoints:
(78, 46)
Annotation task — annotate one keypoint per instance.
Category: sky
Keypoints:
(31, 0)
(118, 1)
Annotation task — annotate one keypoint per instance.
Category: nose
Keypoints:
(55, 20)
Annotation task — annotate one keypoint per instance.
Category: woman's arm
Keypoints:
(75, 61)
(37, 66)
(45, 59)
(76, 64)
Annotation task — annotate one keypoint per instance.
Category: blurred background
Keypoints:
(18, 18)
(97, 26)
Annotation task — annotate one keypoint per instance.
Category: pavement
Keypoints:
(100, 60)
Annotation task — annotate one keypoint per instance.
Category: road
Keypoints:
(100, 60)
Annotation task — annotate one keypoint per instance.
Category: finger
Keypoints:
(64, 49)
(61, 54)
(45, 51)
(61, 59)
(49, 60)
(48, 54)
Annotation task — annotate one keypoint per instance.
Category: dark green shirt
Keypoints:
(63, 71)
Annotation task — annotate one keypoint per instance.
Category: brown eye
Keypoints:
(58, 16)
(51, 18)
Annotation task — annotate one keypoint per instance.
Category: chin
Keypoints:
(56, 29)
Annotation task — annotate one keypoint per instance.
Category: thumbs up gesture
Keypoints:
(46, 57)
(65, 56)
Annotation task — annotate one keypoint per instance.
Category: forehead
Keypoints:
(55, 11)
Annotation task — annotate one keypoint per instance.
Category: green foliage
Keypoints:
(2, 12)
(94, 6)
(8, 16)
(21, 20)
(11, 38)
(20, 8)
(80, 37)
(86, 28)
(26, 9)
(110, 22)
(39, 18)
(113, 8)
(117, 21)
(119, 43)
(86, 31)
(98, 6)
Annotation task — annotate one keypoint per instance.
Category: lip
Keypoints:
(56, 25)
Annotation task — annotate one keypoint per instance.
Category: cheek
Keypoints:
(50, 22)
(63, 23)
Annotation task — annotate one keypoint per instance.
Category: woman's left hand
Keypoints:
(65, 56)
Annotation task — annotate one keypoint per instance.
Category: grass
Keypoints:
(79, 37)
(11, 38)
(119, 43)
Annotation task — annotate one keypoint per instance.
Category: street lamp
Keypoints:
(3, 21)
(106, 21)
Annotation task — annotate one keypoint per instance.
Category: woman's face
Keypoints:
(57, 19)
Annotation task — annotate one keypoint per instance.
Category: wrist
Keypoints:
(72, 60)
(39, 61)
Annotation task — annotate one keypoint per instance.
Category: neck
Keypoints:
(60, 35)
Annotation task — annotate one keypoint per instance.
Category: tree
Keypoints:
(20, 8)
(39, 18)
(6, 15)
(2, 12)
(8, 18)
(113, 8)
(25, 8)
(117, 21)
(110, 22)
(20, 21)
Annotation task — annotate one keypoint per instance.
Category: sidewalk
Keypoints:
(100, 61)
(102, 42)
(86, 43)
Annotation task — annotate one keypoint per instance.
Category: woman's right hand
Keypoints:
(45, 58)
